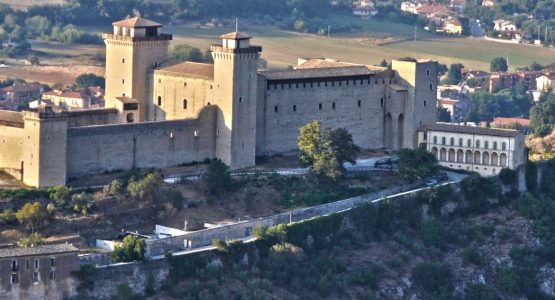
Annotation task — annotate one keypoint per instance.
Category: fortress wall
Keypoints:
(280, 129)
(96, 149)
(12, 140)
(91, 117)
(174, 89)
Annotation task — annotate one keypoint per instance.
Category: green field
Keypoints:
(282, 48)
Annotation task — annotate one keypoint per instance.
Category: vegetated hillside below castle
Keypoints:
(484, 241)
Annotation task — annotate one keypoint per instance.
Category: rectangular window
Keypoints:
(14, 265)
(333, 105)
(320, 106)
(35, 277)
(15, 278)
(52, 275)
(53, 262)
(294, 108)
(359, 103)
(275, 109)
(27, 264)
(36, 263)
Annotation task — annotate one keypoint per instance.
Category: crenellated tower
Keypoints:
(235, 78)
(135, 47)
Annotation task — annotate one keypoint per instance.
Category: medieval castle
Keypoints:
(160, 115)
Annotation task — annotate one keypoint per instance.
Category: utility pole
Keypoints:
(236, 24)
(545, 39)
(415, 33)
(329, 28)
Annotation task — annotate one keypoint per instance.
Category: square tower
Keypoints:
(235, 77)
(135, 47)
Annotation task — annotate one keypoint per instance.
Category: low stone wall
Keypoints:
(244, 229)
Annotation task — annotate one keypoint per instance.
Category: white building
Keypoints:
(482, 150)
(504, 25)
(543, 83)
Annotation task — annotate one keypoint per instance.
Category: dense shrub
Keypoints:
(217, 177)
(477, 291)
(431, 231)
(416, 164)
(433, 278)
(471, 255)
(507, 176)
(132, 248)
(8, 217)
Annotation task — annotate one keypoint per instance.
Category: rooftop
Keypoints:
(20, 88)
(322, 72)
(137, 22)
(236, 36)
(190, 68)
(125, 100)
(470, 130)
(510, 121)
(39, 250)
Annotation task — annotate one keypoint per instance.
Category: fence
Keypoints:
(244, 229)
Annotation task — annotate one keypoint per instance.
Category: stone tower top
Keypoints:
(137, 29)
(236, 40)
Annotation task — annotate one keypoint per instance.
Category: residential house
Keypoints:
(481, 78)
(458, 5)
(365, 9)
(452, 26)
(545, 82)
(510, 122)
(41, 272)
(19, 93)
(410, 7)
(507, 80)
(504, 25)
(68, 100)
(488, 3)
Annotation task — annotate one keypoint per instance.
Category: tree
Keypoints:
(498, 64)
(147, 189)
(85, 81)
(34, 239)
(443, 114)
(217, 177)
(325, 150)
(433, 278)
(416, 164)
(182, 52)
(132, 248)
(33, 60)
(8, 216)
(114, 188)
(82, 203)
(33, 214)
(61, 195)
(454, 75)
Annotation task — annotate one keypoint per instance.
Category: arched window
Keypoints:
(443, 140)
(130, 117)
(184, 103)
(435, 139)
(486, 144)
(469, 143)
(494, 145)
(504, 146)
(460, 142)
(452, 141)
(477, 144)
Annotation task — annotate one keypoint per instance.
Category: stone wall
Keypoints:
(244, 229)
(97, 149)
(91, 117)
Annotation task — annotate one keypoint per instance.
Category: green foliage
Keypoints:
(478, 291)
(8, 217)
(431, 231)
(125, 292)
(34, 215)
(132, 248)
(51, 208)
(531, 175)
(507, 176)
(498, 64)
(220, 245)
(84, 81)
(443, 114)
(82, 203)
(454, 76)
(33, 60)
(114, 188)
(181, 52)
(477, 191)
(61, 195)
(433, 278)
(416, 164)
(217, 177)
(22, 193)
(325, 149)
(147, 189)
(34, 239)
(471, 255)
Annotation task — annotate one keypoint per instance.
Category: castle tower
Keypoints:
(134, 48)
(235, 77)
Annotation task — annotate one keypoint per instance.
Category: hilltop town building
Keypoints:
(160, 115)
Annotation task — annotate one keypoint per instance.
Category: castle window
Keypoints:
(282, 86)
(208, 104)
(289, 85)
(477, 144)
(123, 60)
(318, 83)
(159, 80)
(171, 135)
(304, 84)
(240, 99)
(354, 82)
(504, 146)
(431, 86)
(14, 265)
(486, 144)
(494, 145)
(320, 106)
(210, 86)
(15, 278)
(296, 85)
(347, 82)
(36, 263)
(275, 86)
(424, 102)
(326, 83)
(52, 275)
(195, 133)
(443, 140)
(294, 107)
(333, 105)
(123, 81)
(275, 109)
(469, 143)
(452, 141)
(159, 101)
(428, 72)
(460, 142)
(184, 103)
(53, 262)
(123, 94)
(359, 103)
(184, 83)
(381, 102)
(35, 277)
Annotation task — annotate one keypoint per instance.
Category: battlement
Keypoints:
(44, 114)
(251, 49)
(125, 38)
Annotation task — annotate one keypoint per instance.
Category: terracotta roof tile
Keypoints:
(322, 72)
(236, 36)
(470, 130)
(190, 68)
(137, 22)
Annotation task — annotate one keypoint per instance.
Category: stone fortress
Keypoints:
(160, 115)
